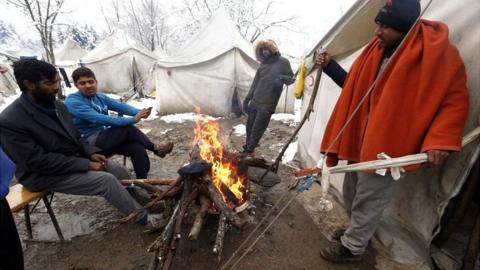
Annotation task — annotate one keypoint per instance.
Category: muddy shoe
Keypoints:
(162, 150)
(155, 221)
(246, 153)
(337, 234)
(339, 253)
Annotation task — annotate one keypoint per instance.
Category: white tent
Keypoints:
(212, 71)
(69, 51)
(121, 65)
(7, 80)
(413, 217)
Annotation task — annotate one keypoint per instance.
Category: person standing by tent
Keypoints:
(114, 135)
(419, 103)
(11, 254)
(267, 86)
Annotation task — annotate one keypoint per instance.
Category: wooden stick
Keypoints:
(199, 217)
(164, 182)
(155, 261)
(148, 187)
(178, 229)
(152, 202)
(222, 228)
(306, 116)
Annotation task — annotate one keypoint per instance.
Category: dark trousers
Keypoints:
(128, 141)
(257, 123)
(11, 254)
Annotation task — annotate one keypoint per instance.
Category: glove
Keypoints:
(245, 105)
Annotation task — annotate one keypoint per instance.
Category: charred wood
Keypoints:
(222, 228)
(199, 217)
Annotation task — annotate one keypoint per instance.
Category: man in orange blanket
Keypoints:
(419, 103)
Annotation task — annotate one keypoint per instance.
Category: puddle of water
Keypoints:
(71, 225)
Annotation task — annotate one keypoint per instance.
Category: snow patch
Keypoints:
(165, 131)
(240, 130)
(286, 118)
(290, 152)
(145, 103)
(183, 117)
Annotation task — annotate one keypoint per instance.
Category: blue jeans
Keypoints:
(128, 141)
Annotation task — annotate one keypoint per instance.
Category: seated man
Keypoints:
(114, 135)
(37, 133)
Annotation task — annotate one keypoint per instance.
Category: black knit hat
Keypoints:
(399, 14)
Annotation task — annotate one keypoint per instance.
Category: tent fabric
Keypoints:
(121, 65)
(69, 51)
(7, 80)
(213, 71)
(412, 219)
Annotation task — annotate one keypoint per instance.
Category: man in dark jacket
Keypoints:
(267, 86)
(37, 133)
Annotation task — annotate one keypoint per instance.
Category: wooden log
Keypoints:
(155, 261)
(178, 229)
(152, 181)
(147, 187)
(152, 202)
(199, 217)
(160, 244)
(220, 204)
(222, 228)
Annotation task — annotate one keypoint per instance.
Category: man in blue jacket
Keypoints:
(112, 134)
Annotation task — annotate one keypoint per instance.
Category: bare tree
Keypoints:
(43, 14)
(146, 21)
(252, 17)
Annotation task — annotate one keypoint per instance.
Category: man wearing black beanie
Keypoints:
(388, 119)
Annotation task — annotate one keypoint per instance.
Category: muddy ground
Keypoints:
(98, 241)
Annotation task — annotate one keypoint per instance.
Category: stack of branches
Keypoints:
(196, 187)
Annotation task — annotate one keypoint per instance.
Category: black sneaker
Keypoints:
(339, 253)
(337, 234)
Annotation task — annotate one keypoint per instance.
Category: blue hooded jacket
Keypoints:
(90, 114)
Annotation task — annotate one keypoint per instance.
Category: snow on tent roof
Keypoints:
(218, 36)
(70, 50)
(117, 43)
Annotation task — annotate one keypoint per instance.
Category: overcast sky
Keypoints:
(315, 17)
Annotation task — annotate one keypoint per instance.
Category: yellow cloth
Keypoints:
(300, 81)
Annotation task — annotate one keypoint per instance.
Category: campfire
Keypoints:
(215, 180)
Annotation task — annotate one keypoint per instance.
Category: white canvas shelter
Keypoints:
(216, 65)
(121, 65)
(7, 80)
(411, 221)
(69, 51)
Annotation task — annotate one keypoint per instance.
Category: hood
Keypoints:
(269, 44)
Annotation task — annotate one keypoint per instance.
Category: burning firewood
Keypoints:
(214, 176)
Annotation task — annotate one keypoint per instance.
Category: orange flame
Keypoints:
(207, 137)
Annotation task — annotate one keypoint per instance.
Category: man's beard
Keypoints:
(43, 96)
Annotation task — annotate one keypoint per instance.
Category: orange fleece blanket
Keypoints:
(420, 102)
